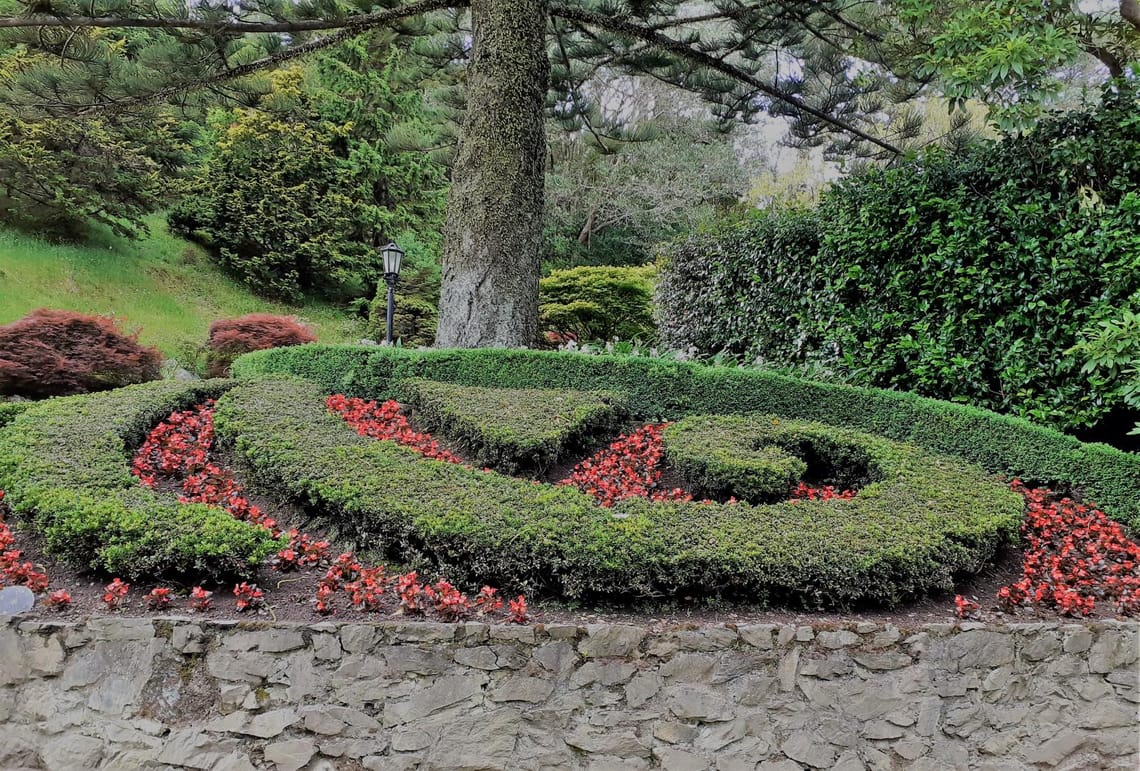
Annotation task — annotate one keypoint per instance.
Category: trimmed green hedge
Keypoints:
(64, 464)
(9, 411)
(656, 388)
(758, 458)
(509, 429)
(930, 519)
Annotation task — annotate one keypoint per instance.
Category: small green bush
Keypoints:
(664, 389)
(413, 321)
(759, 458)
(599, 303)
(64, 464)
(508, 429)
(930, 518)
(9, 411)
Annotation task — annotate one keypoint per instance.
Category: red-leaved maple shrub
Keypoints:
(54, 353)
(230, 338)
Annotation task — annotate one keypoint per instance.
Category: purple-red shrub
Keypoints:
(230, 338)
(54, 353)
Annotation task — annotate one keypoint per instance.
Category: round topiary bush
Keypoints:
(55, 353)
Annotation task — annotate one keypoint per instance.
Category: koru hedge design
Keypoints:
(930, 518)
(923, 512)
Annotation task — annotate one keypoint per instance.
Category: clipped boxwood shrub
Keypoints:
(929, 519)
(599, 303)
(665, 389)
(509, 429)
(759, 458)
(64, 464)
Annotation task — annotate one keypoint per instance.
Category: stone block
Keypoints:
(611, 640)
(290, 755)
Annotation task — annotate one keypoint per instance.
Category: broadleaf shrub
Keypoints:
(64, 464)
(929, 519)
(599, 303)
(962, 277)
(511, 428)
(55, 353)
(657, 389)
(230, 338)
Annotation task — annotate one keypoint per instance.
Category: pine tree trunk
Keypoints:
(493, 234)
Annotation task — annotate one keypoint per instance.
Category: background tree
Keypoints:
(294, 194)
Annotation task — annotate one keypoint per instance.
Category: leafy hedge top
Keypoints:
(512, 428)
(64, 464)
(656, 388)
(930, 517)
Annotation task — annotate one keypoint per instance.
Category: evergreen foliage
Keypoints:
(294, 196)
(599, 303)
(64, 464)
(960, 277)
(508, 429)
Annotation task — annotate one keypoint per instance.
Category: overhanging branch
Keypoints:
(357, 23)
(630, 29)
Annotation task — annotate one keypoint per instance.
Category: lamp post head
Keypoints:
(393, 256)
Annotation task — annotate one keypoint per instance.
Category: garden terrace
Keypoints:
(64, 465)
(509, 429)
(655, 388)
(930, 518)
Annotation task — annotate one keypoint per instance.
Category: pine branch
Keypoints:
(630, 29)
(358, 23)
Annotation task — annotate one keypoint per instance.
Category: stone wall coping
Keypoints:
(398, 630)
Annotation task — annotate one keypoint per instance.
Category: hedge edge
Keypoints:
(64, 465)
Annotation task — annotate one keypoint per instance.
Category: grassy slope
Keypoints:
(161, 284)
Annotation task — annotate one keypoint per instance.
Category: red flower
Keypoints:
(59, 600)
(200, 599)
(114, 592)
(158, 599)
(249, 597)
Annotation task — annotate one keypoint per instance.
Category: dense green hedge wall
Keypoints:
(929, 519)
(509, 429)
(657, 388)
(759, 458)
(962, 277)
(64, 464)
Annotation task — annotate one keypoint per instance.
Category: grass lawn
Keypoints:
(164, 286)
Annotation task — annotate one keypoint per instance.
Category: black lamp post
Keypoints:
(392, 255)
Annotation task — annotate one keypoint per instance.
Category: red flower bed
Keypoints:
(629, 467)
(177, 451)
(384, 421)
(14, 570)
(1075, 558)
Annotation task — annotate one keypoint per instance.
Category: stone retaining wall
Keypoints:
(127, 693)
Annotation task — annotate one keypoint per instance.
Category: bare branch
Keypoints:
(627, 28)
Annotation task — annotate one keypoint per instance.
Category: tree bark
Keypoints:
(1130, 12)
(493, 232)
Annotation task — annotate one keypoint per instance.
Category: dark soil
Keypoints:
(290, 596)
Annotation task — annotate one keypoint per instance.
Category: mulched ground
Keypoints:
(290, 596)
